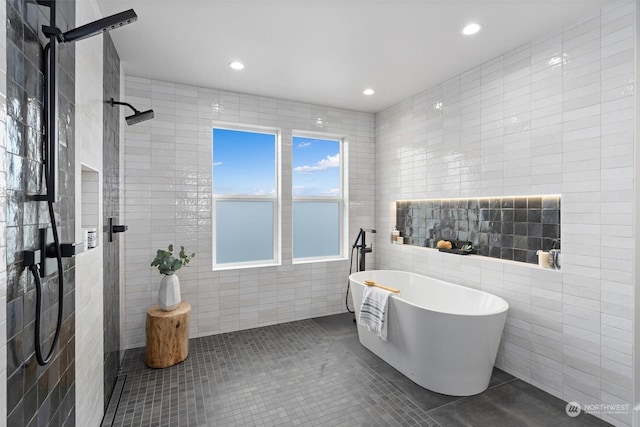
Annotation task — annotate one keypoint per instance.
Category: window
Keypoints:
(318, 198)
(246, 208)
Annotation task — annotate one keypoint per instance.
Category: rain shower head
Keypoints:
(137, 116)
(100, 26)
(50, 85)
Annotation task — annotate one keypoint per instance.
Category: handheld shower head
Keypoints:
(137, 116)
(100, 26)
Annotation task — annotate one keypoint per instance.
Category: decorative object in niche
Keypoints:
(543, 259)
(554, 255)
(460, 248)
(512, 228)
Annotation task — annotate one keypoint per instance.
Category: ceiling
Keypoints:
(328, 51)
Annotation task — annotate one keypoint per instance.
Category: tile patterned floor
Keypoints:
(311, 373)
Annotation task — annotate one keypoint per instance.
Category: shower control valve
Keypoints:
(48, 252)
(31, 257)
(68, 250)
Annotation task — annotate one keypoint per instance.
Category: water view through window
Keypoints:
(317, 197)
(245, 197)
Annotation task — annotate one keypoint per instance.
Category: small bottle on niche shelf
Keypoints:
(394, 235)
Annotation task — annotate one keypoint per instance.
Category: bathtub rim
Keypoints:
(502, 301)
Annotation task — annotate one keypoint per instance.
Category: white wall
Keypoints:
(89, 267)
(3, 222)
(555, 116)
(168, 164)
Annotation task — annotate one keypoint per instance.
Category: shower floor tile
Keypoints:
(309, 373)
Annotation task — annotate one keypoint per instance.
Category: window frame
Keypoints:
(342, 198)
(276, 198)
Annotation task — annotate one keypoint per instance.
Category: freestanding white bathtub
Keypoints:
(442, 336)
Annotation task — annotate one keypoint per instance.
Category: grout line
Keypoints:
(503, 383)
(448, 403)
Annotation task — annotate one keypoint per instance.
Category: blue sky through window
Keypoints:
(316, 167)
(243, 162)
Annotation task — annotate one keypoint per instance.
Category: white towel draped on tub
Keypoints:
(373, 312)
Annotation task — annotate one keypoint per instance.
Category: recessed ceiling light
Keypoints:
(369, 91)
(236, 65)
(470, 29)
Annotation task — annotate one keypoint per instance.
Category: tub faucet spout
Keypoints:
(362, 247)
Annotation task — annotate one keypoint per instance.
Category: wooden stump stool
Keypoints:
(167, 336)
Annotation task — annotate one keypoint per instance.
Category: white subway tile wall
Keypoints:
(555, 116)
(89, 359)
(89, 200)
(167, 182)
(3, 221)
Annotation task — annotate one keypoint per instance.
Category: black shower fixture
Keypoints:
(56, 36)
(50, 247)
(137, 116)
(100, 26)
(361, 245)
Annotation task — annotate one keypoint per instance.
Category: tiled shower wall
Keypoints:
(111, 209)
(35, 395)
(555, 116)
(88, 161)
(168, 167)
(3, 218)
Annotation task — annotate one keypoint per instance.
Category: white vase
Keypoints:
(169, 294)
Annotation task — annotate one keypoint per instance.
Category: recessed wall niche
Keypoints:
(512, 228)
(90, 201)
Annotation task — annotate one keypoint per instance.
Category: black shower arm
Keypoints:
(88, 30)
(114, 102)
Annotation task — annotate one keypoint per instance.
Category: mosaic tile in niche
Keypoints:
(512, 228)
